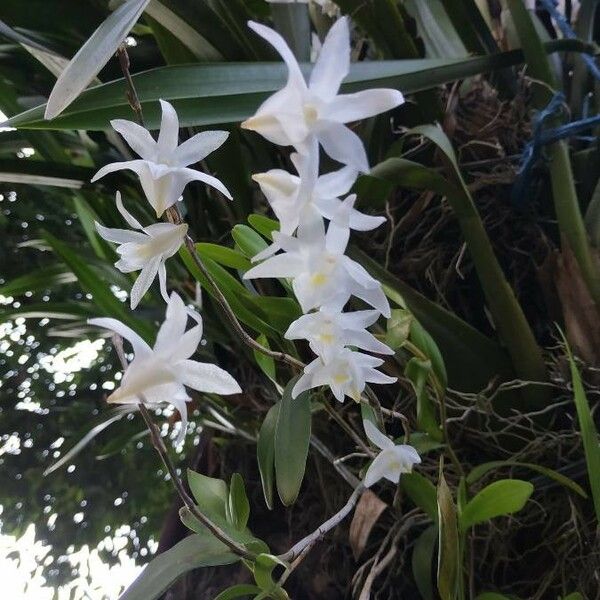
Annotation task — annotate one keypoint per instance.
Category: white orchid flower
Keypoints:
(328, 330)
(145, 250)
(159, 375)
(321, 274)
(392, 461)
(162, 168)
(299, 113)
(347, 374)
(292, 196)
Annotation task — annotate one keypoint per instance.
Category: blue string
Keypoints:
(567, 31)
(533, 150)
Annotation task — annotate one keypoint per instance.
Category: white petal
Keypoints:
(120, 236)
(173, 326)
(168, 137)
(304, 383)
(277, 121)
(337, 238)
(144, 281)
(137, 137)
(137, 166)
(205, 377)
(359, 273)
(362, 222)
(376, 436)
(367, 341)
(333, 63)
(295, 75)
(374, 297)
(358, 319)
(311, 229)
(198, 147)
(408, 455)
(297, 328)
(282, 265)
(140, 347)
(378, 469)
(129, 218)
(361, 105)
(374, 376)
(337, 183)
(187, 344)
(162, 281)
(343, 145)
(193, 175)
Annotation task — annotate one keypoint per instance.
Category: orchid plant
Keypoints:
(316, 214)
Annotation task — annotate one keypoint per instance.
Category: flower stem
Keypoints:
(160, 447)
(132, 96)
(305, 543)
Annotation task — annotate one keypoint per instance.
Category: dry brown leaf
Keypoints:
(581, 315)
(366, 513)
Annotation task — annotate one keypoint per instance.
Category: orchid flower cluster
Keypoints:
(161, 374)
(305, 250)
(309, 117)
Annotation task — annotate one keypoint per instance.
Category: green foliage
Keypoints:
(195, 551)
(503, 497)
(292, 438)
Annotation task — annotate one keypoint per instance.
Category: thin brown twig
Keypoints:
(132, 96)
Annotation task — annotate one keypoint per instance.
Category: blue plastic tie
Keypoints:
(533, 150)
(567, 31)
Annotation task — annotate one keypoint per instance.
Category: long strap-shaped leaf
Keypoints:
(93, 55)
(207, 94)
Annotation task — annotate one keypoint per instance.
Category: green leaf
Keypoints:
(193, 552)
(422, 492)
(448, 571)
(424, 342)
(418, 371)
(248, 240)
(589, 433)
(472, 359)
(573, 596)
(236, 294)
(208, 94)
(187, 35)
(241, 590)
(223, 255)
(93, 55)
(264, 225)
(266, 363)
(398, 328)
(480, 470)
(492, 596)
(238, 505)
(503, 497)
(422, 560)
(265, 453)
(211, 494)
(263, 571)
(292, 438)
